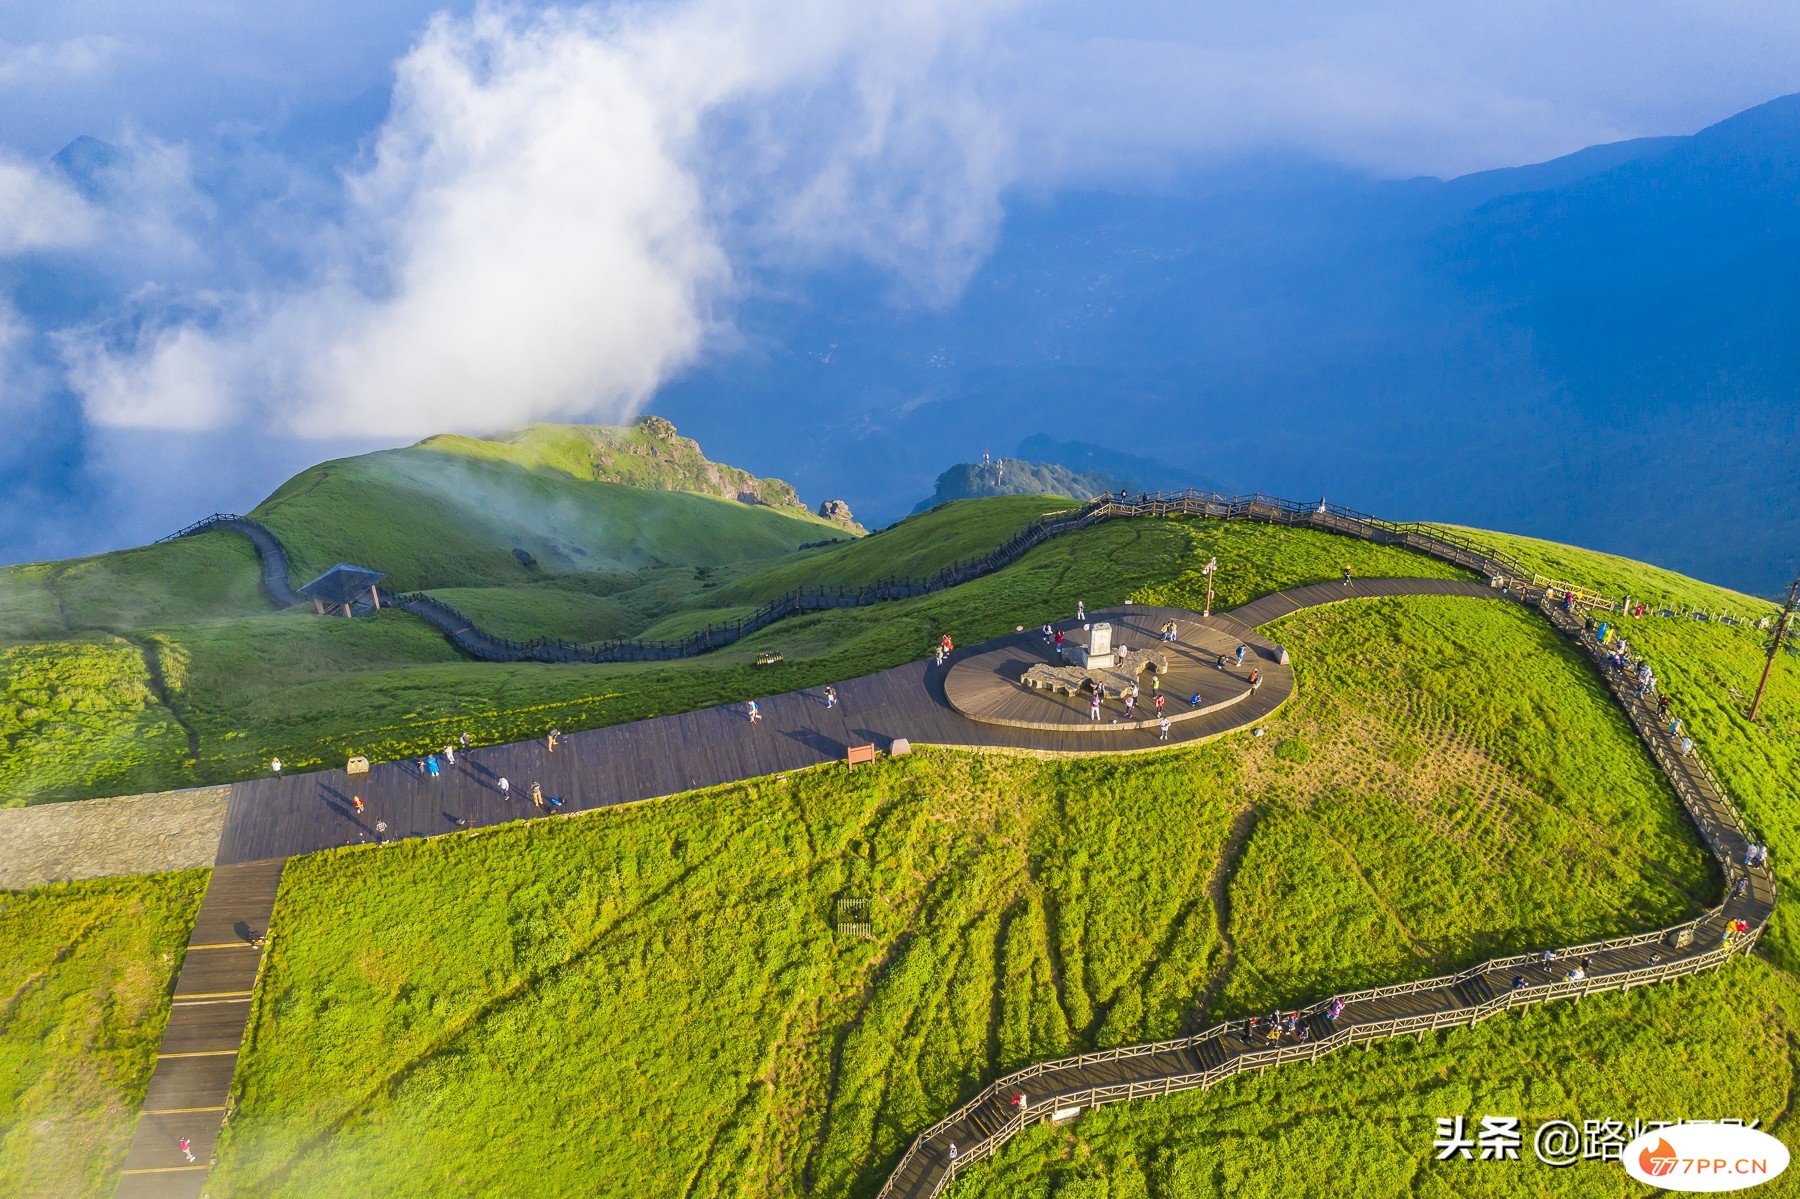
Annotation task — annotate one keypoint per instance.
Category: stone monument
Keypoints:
(1097, 654)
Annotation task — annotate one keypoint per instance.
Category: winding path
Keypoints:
(271, 819)
(477, 642)
(1061, 1089)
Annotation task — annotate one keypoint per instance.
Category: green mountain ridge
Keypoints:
(1014, 476)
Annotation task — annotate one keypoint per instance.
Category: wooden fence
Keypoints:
(1702, 797)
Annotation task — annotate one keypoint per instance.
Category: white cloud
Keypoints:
(40, 211)
(171, 378)
(32, 63)
(545, 226)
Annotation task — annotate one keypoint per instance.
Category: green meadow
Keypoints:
(84, 996)
(656, 999)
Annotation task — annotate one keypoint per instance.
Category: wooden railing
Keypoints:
(1265, 509)
(1707, 804)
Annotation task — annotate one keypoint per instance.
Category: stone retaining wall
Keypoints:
(129, 834)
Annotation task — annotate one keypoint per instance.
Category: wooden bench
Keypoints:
(859, 753)
(768, 658)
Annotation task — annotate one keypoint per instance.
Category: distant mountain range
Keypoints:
(1600, 349)
(1046, 466)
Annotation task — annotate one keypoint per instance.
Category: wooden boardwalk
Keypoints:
(192, 1078)
(271, 819)
(984, 684)
(667, 755)
(1061, 1090)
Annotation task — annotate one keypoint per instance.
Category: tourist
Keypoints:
(1346, 576)
(356, 803)
(421, 765)
(431, 765)
(1094, 706)
(940, 655)
(948, 644)
(1019, 1101)
(1162, 729)
(1048, 632)
(1220, 662)
(537, 795)
(953, 1152)
(1518, 982)
(187, 1149)
(466, 740)
(1194, 700)
(450, 754)
(1240, 653)
(1080, 610)
(1059, 644)
(1687, 746)
(1158, 701)
(551, 738)
(1655, 959)
(381, 832)
(1249, 1033)
(555, 802)
(505, 789)
(1675, 728)
(830, 696)
(753, 712)
(1739, 888)
(1130, 703)
(1255, 679)
(275, 765)
(1334, 1009)
(1575, 974)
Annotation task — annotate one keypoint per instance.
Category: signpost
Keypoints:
(1776, 641)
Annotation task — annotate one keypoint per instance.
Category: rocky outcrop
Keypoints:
(652, 454)
(838, 513)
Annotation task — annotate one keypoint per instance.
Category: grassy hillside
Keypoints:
(82, 717)
(654, 1000)
(1710, 671)
(606, 508)
(316, 690)
(450, 511)
(917, 547)
(197, 578)
(84, 996)
(647, 454)
(1360, 1124)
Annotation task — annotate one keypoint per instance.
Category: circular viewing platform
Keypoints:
(987, 685)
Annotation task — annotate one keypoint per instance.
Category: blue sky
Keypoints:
(340, 225)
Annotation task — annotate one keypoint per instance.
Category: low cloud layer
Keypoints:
(547, 221)
(40, 211)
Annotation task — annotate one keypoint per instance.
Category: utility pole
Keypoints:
(1212, 568)
(1776, 641)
